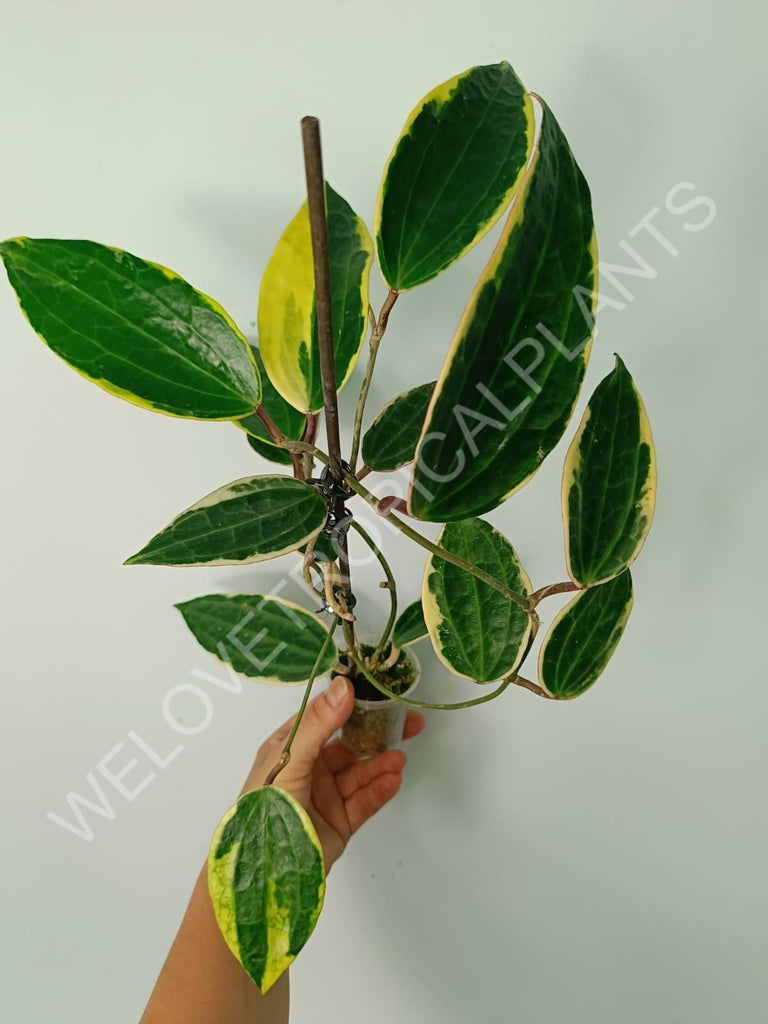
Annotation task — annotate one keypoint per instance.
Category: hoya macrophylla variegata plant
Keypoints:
(475, 149)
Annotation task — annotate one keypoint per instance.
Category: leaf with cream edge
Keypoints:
(134, 328)
(265, 638)
(286, 317)
(476, 631)
(390, 441)
(452, 172)
(609, 482)
(249, 520)
(289, 421)
(514, 369)
(410, 625)
(267, 881)
(583, 637)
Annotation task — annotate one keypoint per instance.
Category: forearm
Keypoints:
(202, 983)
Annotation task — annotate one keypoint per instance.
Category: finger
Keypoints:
(267, 755)
(363, 804)
(280, 734)
(414, 724)
(359, 774)
(338, 755)
(324, 714)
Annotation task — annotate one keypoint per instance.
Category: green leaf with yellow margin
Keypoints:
(452, 172)
(390, 441)
(514, 369)
(475, 631)
(288, 420)
(249, 520)
(134, 328)
(583, 637)
(609, 482)
(265, 638)
(286, 316)
(410, 625)
(267, 882)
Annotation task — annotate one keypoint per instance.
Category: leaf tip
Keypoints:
(135, 559)
(8, 245)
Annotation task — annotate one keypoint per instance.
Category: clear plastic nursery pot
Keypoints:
(376, 722)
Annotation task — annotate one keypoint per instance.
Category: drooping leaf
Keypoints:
(264, 638)
(390, 441)
(609, 482)
(249, 520)
(410, 625)
(509, 384)
(286, 317)
(266, 880)
(583, 637)
(452, 172)
(287, 419)
(134, 328)
(476, 631)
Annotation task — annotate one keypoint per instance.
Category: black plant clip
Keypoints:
(335, 493)
(337, 526)
(332, 490)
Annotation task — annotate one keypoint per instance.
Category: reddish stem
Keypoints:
(554, 588)
(310, 430)
(279, 438)
(533, 687)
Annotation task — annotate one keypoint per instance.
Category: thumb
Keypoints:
(324, 715)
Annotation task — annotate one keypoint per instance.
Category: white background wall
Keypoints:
(595, 861)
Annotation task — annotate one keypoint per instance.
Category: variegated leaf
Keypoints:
(476, 631)
(583, 637)
(452, 171)
(513, 372)
(134, 328)
(265, 638)
(249, 520)
(609, 482)
(267, 881)
(286, 317)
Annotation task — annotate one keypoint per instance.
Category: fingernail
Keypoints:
(337, 691)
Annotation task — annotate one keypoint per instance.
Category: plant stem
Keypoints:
(304, 447)
(313, 166)
(390, 585)
(285, 757)
(425, 704)
(318, 224)
(352, 481)
(351, 642)
(507, 681)
(310, 432)
(377, 334)
(533, 687)
(279, 439)
(554, 588)
(519, 599)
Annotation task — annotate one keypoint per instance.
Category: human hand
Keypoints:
(339, 791)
